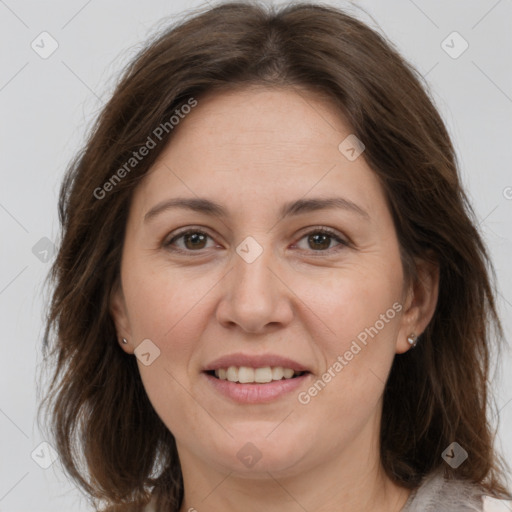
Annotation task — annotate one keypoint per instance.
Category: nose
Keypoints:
(255, 297)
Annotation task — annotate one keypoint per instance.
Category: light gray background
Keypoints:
(47, 106)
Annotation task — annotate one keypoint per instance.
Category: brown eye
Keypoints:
(192, 240)
(320, 240)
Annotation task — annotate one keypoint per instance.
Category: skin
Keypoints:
(252, 150)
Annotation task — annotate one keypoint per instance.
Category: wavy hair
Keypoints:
(109, 438)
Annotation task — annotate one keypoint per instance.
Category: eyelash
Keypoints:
(318, 230)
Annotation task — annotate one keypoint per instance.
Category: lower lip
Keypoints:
(256, 393)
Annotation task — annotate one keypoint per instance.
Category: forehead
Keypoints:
(265, 115)
(260, 143)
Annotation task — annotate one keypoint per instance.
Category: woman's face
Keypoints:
(260, 286)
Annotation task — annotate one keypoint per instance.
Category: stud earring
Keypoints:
(412, 339)
(124, 340)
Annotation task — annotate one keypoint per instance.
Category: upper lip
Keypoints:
(255, 361)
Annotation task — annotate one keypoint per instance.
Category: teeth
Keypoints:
(288, 373)
(244, 374)
(277, 373)
(231, 374)
(263, 375)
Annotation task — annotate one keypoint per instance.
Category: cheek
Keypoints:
(165, 304)
(358, 311)
(350, 301)
(363, 312)
(168, 308)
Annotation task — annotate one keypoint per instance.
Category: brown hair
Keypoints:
(98, 410)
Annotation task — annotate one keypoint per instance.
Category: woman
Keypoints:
(270, 292)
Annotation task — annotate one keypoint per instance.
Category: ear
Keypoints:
(420, 302)
(119, 313)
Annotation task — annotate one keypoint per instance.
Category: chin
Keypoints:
(254, 456)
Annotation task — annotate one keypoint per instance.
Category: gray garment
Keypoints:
(436, 494)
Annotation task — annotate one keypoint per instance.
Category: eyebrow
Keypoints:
(300, 206)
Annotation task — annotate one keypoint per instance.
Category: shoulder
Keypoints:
(151, 506)
(438, 494)
(494, 505)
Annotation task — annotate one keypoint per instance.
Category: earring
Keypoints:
(124, 340)
(412, 339)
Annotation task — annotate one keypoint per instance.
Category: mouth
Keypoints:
(248, 375)
(246, 385)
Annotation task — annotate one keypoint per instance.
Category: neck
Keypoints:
(350, 480)
(230, 494)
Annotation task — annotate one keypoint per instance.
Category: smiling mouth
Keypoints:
(247, 375)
